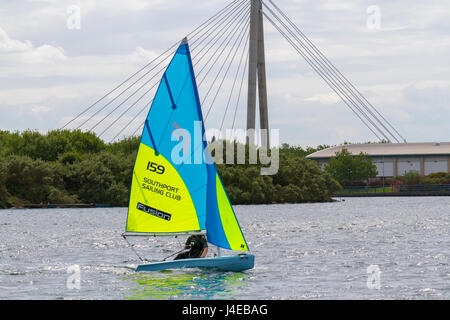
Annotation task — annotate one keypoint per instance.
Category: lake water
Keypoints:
(361, 248)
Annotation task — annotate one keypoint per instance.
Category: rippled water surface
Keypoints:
(304, 251)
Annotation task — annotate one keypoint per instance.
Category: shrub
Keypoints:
(412, 177)
(65, 166)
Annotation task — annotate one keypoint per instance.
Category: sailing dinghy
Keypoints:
(176, 189)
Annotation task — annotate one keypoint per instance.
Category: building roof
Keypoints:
(388, 149)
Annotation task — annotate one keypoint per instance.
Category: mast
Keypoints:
(257, 77)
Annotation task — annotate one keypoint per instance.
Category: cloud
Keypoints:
(42, 54)
(25, 52)
(37, 110)
(434, 95)
(328, 98)
(335, 5)
(9, 45)
(46, 69)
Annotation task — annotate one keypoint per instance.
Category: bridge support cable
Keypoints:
(216, 55)
(195, 32)
(331, 75)
(227, 62)
(244, 73)
(324, 78)
(343, 95)
(159, 73)
(126, 100)
(214, 58)
(218, 29)
(225, 15)
(334, 69)
(225, 22)
(235, 31)
(238, 71)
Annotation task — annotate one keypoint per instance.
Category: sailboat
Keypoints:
(176, 189)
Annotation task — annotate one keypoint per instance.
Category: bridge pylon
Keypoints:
(257, 80)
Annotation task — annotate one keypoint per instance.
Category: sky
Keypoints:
(52, 69)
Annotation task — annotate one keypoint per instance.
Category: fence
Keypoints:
(366, 189)
(423, 188)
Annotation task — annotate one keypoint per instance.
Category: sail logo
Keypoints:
(154, 212)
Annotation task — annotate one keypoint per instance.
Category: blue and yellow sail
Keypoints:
(222, 226)
(172, 196)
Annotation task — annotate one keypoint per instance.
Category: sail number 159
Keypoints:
(154, 167)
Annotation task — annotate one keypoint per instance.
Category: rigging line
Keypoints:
(213, 29)
(217, 38)
(332, 66)
(129, 87)
(221, 47)
(133, 249)
(194, 33)
(240, 91)
(331, 82)
(235, 80)
(244, 32)
(300, 52)
(342, 85)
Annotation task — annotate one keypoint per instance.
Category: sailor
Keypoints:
(198, 248)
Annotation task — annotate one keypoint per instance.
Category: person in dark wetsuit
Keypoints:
(198, 248)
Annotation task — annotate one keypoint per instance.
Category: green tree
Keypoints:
(348, 169)
(101, 178)
(64, 166)
(127, 145)
(28, 179)
(298, 180)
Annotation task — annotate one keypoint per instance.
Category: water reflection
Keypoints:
(192, 284)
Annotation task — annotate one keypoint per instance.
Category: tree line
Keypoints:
(70, 167)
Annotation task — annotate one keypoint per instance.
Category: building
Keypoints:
(395, 159)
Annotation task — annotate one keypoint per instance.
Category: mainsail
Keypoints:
(172, 186)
